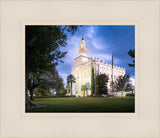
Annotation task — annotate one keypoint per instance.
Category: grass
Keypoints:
(87, 104)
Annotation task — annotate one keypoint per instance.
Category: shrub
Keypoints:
(101, 84)
(110, 95)
(130, 94)
(97, 95)
(63, 92)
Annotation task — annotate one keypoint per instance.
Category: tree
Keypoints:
(63, 92)
(83, 88)
(59, 85)
(42, 50)
(112, 85)
(67, 88)
(44, 82)
(92, 83)
(32, 84)
(71, 79)
(101, 84)
(51, 80)
(131, 53)
(122, 83)
(129, 87)
(42, 91)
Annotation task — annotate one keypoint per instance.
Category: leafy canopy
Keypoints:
(71, 79)
(92, 83)
(122, 82)
(101, 84)
(43, 52)
(83, 87)
(131, 53)
(43, 47)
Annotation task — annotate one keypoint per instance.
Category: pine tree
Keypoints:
(101, 84)
(92, 83)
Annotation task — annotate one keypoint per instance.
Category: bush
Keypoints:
(42, 92)
(101, 84)
(130, 94)
(53, 96)
(97, 95)
(110, 95)
(63, 92)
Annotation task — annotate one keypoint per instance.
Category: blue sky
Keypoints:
(101, 41)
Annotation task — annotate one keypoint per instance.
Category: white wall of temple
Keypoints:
(101, 67)
(82, 72)
(80, 60)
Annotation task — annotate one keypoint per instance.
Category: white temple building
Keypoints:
(82, 70)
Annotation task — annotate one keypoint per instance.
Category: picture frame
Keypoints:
(16, 14)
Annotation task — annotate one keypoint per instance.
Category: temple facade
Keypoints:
(82, 70)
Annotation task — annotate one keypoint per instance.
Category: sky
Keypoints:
(101, 41)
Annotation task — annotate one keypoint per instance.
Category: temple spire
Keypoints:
(82, 49)
(82, 42)
(82, 37)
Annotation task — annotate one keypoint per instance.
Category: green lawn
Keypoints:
(88, 104)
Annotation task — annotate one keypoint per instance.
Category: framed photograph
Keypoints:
(80, 68)
(62, 76)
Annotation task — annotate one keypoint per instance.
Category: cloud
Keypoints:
(64, 69)
(93, 43)
(132, 79)
(64, 77)
(107, 58)
(94, 39)
(96, 45)
(73, 44)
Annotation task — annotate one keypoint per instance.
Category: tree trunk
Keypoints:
(31, 93)
(121, 93)
(67, 91)
(83, 93)
(28, 102)
(32, 90)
